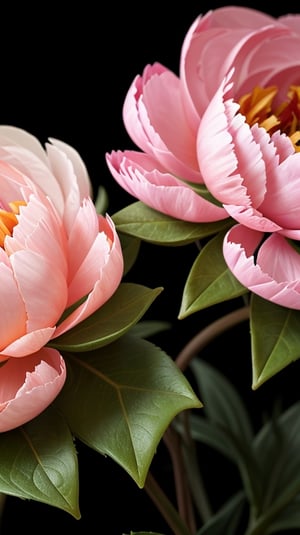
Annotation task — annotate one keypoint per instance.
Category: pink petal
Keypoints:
(39, 230)
(89, 271)
(140, 176)
(109, 278)
(28, 386)
(214, 45)
(80, 170)
(292, 21)
(13, 314)
(275, 274)
(240, 17)
(82, 235)
(159, 99)
(27, 344)
(282, 202)
(252, 218)
(63, 171)
(34, 168)
(229, 159)
(14, 185)
(131, 116)
(42, 287)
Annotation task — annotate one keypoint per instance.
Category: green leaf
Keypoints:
(120, 399)
(147, 224)
(202, 430)
(109, 322)
(222, 403)
(209, 281)
(275, 338)
(227, 519)
(130, 249)
(145, 329)
(277, 449)
(38, 461)
(229, 422)
(289, 518)
(101, 202)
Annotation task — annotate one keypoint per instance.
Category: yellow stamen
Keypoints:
(258, 108)
(8, 220)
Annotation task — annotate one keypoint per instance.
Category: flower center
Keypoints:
(8, 219)
(258, 107)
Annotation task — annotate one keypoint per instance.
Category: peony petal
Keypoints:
(42, 287)
(229, 158)
(90, 269)
(158, 99)
(37, 173)
(27, 344)
(282, 202)
(28, 386)
(131, 117)
(63, 170)
(13, 314)
(109, 279)
(140, 176)
(82, 235)
(39, 230)
(267, 276)
(80, 170)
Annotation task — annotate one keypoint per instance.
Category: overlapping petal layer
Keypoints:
(55, 250)
(230, 122)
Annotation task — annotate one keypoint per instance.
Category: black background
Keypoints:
(64, 74)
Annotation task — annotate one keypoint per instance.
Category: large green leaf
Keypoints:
(112, 320)
(147, 224)
(120, 399)
(38, 461)
(275, 338)
(209, 281)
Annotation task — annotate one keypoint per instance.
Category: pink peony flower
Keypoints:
(230, 122)
(54, 250)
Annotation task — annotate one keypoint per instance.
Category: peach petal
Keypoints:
(28, 386)
(109, 279)
(27, 344)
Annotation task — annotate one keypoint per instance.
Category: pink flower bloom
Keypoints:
(229, 122)
(54, 250)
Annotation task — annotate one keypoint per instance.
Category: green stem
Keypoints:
(260, 525)
(165, 507)
(194, 474)
(207, 335)
(183, 493)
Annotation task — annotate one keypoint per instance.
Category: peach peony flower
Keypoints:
(54, 250)
(230, 124)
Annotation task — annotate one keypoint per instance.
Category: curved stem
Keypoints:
(183, 522)
(2, 505)
(209, 333)
(191, 349)
(165, 507)
(183, 494)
